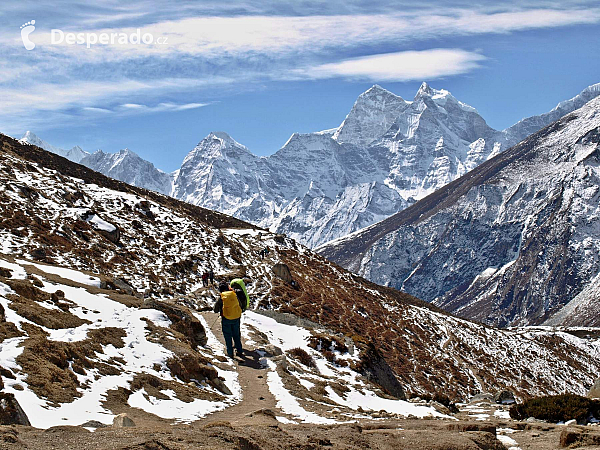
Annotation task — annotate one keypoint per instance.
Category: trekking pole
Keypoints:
(213, 324)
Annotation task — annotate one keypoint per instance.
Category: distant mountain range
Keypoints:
(513, 242)
(387, 154)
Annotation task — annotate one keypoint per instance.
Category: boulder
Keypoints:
(595, 390)
(182, 320)
(440, 408)
(39, 254)
(375, 368)
(93, 424)
(282, 271)
(123, 420)
(483, 397)
(113, 236)
(220, 385)
(273, 350)
(281, 361)
(11, 412)
(504, 397)
(187, 367)
(124, 286)
(576, 437)
(262, 412)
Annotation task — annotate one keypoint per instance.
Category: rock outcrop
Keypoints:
(11, 412)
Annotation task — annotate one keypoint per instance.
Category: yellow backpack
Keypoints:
(231, 305)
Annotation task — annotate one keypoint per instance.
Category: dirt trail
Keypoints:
(253, 380)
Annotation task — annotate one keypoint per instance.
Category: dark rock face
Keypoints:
(504, 397)
(124, 286)
(283, 272)
(595, 390)
(374, 366)
(11, 412)
(113, 236)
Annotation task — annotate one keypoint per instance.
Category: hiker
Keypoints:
(211, 276)
(231, 306)
(205, 279)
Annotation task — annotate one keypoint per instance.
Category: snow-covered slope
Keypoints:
(76, 154)
(133, 258)
(509, 243)
(128, 167)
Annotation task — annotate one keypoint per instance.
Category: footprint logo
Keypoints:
(26, 29)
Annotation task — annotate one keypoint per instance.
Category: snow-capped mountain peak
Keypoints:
(216, 145)
(126, 165)
(425, 90)
(510, 243)
(224, 137)
(76, 154)
(372, 114)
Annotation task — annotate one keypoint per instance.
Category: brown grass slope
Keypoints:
(66, 167)
(428, 350)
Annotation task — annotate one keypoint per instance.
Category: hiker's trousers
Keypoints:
(231, 332)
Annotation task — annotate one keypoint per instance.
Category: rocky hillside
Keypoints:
(387, 153)
(101, 314)
(510, 243)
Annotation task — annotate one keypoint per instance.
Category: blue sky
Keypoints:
(262, 70)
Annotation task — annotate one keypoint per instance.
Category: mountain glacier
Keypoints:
(510, 243)
(387, 154)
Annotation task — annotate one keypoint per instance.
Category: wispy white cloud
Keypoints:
(203, 52)
(399, 66)
(161, 107)
(43, 104)
(279, 36)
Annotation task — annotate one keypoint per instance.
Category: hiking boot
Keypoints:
(239, 352)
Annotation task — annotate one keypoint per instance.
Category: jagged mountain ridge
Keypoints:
(69, 215)
(510, 243)
(124, 165)
(128, 167)
(75, 154)
(387, 153)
